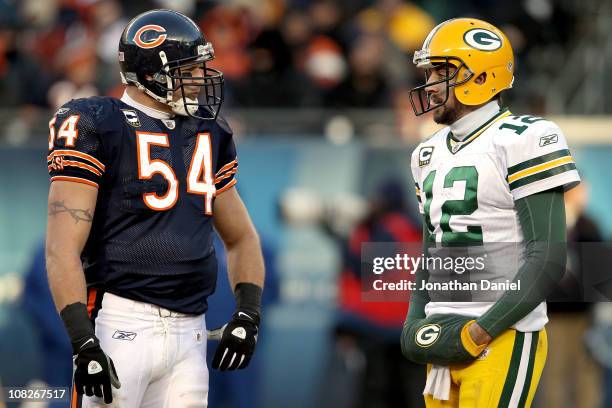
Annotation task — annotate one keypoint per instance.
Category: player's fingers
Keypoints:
(219, 355)
(108, 392)
(97, 389)
(223, 364)
(233, 363)
(244, 361)
(89, 390)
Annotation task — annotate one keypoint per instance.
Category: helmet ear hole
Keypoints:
(481, 79)
(159, 77)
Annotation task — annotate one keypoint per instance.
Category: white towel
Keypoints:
(438, 383)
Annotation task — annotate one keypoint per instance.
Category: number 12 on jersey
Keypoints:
(465, 206)
(199, 177)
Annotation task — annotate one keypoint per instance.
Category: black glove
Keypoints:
(95, 372)
(237, 339)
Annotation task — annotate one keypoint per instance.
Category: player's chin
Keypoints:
(439, 115)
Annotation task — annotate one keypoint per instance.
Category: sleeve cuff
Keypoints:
(469, 344)
(568, 180)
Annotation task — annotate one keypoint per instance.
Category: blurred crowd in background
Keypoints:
(342, 54)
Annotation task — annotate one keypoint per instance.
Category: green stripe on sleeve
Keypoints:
(542, 175)
(515, 362)
(538, 160)
(529, 374)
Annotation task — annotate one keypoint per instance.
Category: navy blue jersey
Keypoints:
(151, 236)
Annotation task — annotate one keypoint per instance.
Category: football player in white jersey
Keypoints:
(488, 177)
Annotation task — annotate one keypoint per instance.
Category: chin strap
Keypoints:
(184, 108)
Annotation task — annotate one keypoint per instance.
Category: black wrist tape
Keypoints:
(248, 297)
(77, 322)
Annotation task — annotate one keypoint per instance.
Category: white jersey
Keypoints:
(466, 190)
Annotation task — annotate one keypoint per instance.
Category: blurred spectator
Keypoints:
(367, 334)
(366, 85)
(324, 63)
(228, 29)
(272, 81)
(108, 24)
(23, 82)
(327, 20)
(77, 63)
(405, 23)
(571, 378)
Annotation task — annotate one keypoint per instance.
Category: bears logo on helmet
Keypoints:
(153, 42)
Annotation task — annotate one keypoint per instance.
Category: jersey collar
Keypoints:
(465, 126)
(154, 113)
(455, 145)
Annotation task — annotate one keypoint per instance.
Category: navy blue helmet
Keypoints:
(156, 51)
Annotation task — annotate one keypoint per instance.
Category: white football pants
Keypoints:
(160, 356)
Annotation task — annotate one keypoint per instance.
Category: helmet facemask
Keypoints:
(423, 98)
(174, 76)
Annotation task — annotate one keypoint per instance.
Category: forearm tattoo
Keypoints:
(78, 214)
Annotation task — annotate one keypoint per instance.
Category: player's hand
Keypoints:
(237, 340)
(440, 339)
(95, 372)
(478, 334)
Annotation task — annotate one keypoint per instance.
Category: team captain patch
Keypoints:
(425, 155)
(131, 117)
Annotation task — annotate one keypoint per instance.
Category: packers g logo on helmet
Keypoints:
(482, 39)
(471, 47)
(427, 335)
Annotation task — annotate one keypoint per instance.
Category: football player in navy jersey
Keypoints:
(137, 185)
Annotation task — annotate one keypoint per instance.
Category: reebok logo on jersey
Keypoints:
(131, 117)
(548, 140)
(124, 335)
(425, 155)
(427, 335)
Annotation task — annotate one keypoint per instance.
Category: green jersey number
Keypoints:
(518, 129)
(466, 206)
